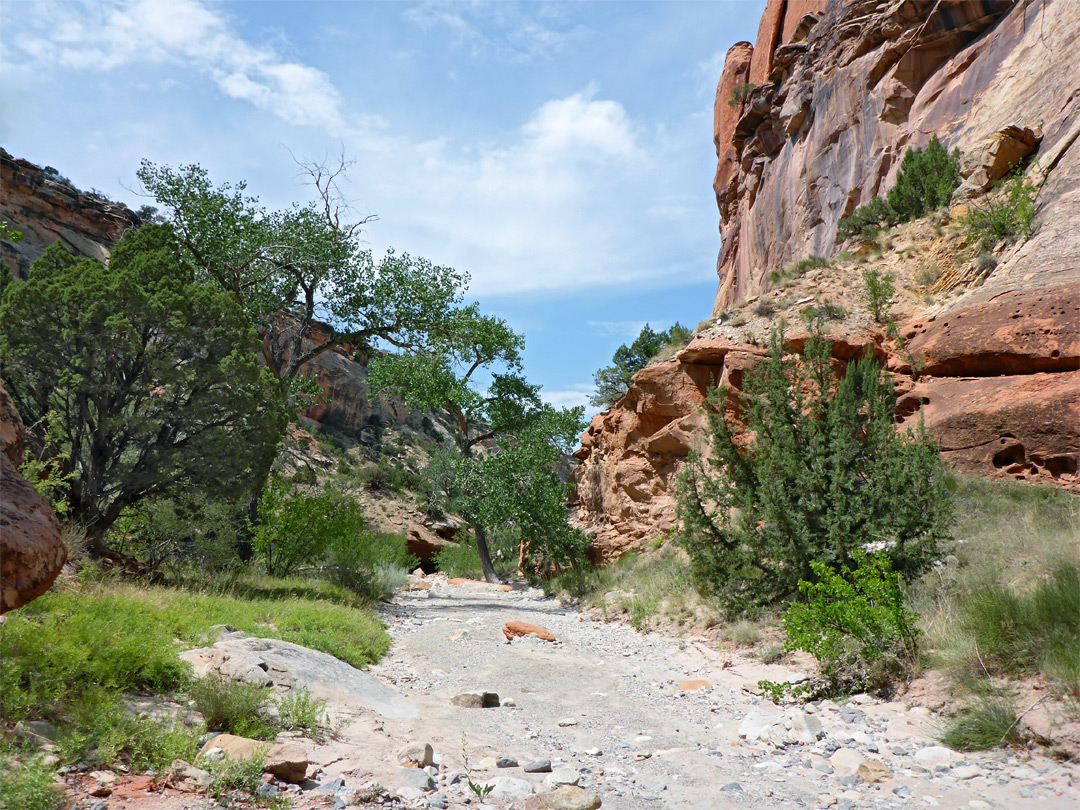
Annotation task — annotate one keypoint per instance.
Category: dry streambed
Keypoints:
(605, 713)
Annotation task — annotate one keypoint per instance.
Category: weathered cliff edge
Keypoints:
(844, 88)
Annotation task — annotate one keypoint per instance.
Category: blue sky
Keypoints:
(560, 153)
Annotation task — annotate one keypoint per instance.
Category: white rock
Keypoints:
(562, 776)
(967, 771)
(934, 755)
(804, 728)
(755, 726)
(416, 753)
(567, 721)
(846, 761)
(509, 786)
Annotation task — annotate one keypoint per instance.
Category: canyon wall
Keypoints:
(841, 89)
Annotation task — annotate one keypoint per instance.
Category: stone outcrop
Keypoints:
(32, 552)
(43, 208)
(841, 91)
(827, 126)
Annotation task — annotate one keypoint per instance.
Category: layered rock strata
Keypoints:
(43, 208)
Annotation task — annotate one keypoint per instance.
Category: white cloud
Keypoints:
(570, 397)
(106, 36)
(618, 328)
(580, 126)
(507, 30)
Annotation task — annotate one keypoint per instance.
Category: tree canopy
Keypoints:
(514, 483)
(291, 268)
(145, 374)
(612, 382)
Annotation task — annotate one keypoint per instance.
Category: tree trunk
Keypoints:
(485, 555)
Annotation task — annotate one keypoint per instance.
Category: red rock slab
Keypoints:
(693, 686)
(495, 585)
(1019, 332)
(514, 630)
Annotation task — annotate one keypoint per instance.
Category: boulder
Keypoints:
(871, 772)
(476, 700)
(508, 786)
(32, 552)
(287, 762)
(567, 797)
(516, 629)
(416, 754)
(185, 777)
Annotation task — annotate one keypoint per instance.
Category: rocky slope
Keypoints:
(841, 91)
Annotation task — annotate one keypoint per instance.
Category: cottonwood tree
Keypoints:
(145, 375)
(291, 268)
(509, 442)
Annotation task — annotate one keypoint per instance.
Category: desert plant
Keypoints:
(764, 308)
(825, 473)
(739, 94)
(299, 711)
(928, 275)
(238, 708)
(925, 181)
(855, 623)
(878, 293)
(866, 220)
(461, 560)
(27, 782)
(989, 721)
(1005, 217)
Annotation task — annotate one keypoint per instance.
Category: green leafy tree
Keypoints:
(293, 268)
(821, 473)
(146, 376)
(612, 382)
(503, 431)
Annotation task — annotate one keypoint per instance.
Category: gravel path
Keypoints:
(604, 701)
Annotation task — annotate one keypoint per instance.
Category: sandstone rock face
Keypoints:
(44, 210)
(841, 94)
(833, 115)
(31, 550)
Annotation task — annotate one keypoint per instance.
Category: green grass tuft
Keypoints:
(990, 722)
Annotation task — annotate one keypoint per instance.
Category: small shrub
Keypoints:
(989, 722)
(299, 711)
(26, 783)
(926, 180)
(928, 275)
(855, 623)
(764, 308)
(743, 633)
(739, 94)
(738, 319)
(462, 560)
(296, 530)
(985, 262)
(305, 475)
(234, 775)
(1007, 217)
(878, 293)
(237, 708)
(771, 653)
(866, 220)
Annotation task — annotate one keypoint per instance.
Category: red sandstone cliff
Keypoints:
(843, 88)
